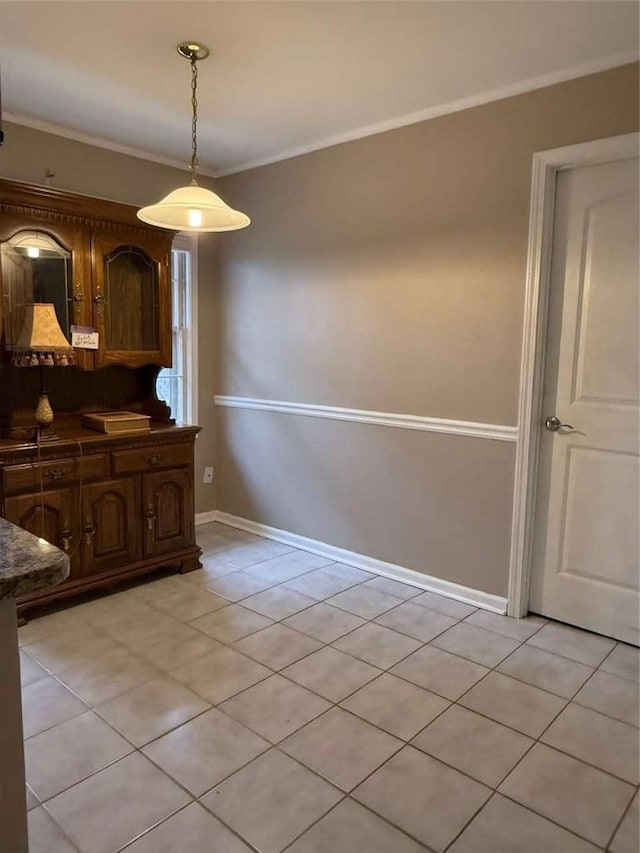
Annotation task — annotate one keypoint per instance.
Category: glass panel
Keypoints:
(131, 296)
(35, 268)
(170, 385)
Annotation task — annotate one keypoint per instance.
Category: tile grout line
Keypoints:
(57, 825)
(455, 702)
(381, 671)
(336, 704)
(494, 790)
(537, 741)
(622, 817)
(557, 695)
(155, 826)
(195, 798)
(275, 585)
(151, 828)
(404, 743)
(227, 645)
(333, 705)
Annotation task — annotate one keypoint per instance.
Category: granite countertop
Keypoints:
(28, 563)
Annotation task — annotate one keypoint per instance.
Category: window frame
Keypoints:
(187, 242)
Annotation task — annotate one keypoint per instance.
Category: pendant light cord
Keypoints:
(194, 121)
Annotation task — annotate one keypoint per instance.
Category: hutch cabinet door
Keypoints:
(49, 516)
(132, 298)
(167, 502)
(44, 260)
(109, 525)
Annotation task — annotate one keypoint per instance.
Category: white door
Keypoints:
(586, 547)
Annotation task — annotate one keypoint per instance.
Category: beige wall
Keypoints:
(89, 170)
(388, 274)
(416, 499)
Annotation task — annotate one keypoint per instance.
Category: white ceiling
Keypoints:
(287, 77)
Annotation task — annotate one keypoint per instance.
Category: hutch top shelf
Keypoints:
(96, 262)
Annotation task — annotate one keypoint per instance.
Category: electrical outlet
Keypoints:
(208, 475)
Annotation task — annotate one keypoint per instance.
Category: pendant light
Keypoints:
(193, 208)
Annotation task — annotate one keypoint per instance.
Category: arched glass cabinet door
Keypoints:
(35, 268)
(132, 299)
(43, 264)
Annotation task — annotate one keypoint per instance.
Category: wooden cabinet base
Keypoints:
(127, 521)
(191, 564)
(186, 562)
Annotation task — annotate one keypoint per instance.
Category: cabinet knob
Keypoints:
(154, 459)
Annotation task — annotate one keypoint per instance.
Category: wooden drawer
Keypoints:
(56, 472)
(151, 458)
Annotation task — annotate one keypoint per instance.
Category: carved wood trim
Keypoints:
(54, 205)
(26, 211)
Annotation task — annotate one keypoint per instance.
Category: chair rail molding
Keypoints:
(496, 432)
(546, 165)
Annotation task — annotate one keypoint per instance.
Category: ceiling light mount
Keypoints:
(193, 50)
(193, 208)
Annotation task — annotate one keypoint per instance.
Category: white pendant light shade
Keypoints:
(193, 208)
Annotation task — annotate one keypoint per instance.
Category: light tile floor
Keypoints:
(276, 701)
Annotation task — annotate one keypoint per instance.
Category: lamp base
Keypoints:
(44, 419)
(39, 434)
(47, 434)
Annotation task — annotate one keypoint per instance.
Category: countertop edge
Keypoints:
(27, 562)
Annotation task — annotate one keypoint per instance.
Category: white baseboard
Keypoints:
(206, 517)
(494, 603)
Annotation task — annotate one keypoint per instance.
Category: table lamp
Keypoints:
(42, 343)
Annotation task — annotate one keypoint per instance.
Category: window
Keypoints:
(177, 385)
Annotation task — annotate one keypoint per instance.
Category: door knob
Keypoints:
(553, 424)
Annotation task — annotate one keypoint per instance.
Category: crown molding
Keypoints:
(99, 142)
(521, 87)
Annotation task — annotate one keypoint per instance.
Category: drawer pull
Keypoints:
(89, 531)
(58, 473)
(151, 458)
(66, 536)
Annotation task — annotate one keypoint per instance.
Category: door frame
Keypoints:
(546, 166)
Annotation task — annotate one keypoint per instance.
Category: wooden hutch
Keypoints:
(119, 505)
